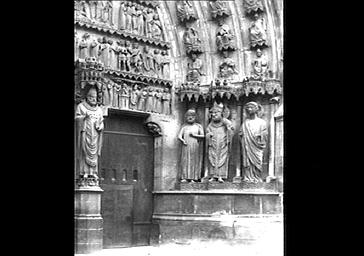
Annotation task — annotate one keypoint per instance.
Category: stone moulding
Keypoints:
(139, 78)
(246, 88)
(123, 34)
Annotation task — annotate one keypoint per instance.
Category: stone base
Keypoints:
(235, 186)
(88, 220)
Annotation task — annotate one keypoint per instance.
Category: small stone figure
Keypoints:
(104, 52)
(134, 97)
(149, 22)
(165, 64)
(185, 11)
(94, 49)
(84, 9)
(99, 11)
(157, 62)
(110, 89)
(93, 9)
(118, 47)
(83, 46)
(105, 94)
(148, 61)
(219, 136)
(158, 101)
(166, 102)
(134, 18)
(149, 104)
(125, 56)
(194, 69)
(224, 38)
(260, 67)
(108, 13)
(192, 41)
(258, 33)
(156, 28)
(89, 126)
(122, 16)
(76, 47)
(142, 97)
(140, 20)
(113, 54)
(254, 136)
(124, 97)
(191, 136)
(128, 16)
(219, 9)
(136, 58)
(227, 67)
(116, 92)
(253, 6)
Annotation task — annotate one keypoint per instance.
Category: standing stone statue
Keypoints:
(83, 46)
(94, 49)
(110, 89)
(128, 16)
(93, 9)
(124, 97)
(89, 126)
(254, 136)
(149, 22)
(113, 54)
(258, 32)
(260, 67)
(134, 94)
(105, 94)
(157, 62)
(140, 20)
(136, 58)
(116, 92)
(191, 135)
(219, 135)
(149, 104)
(156, 28)
(165, 64)
(134, 18)
(75, 50)
(166, 101)
(104, 52)
(107, 13)
(122, 16)
(84, 9)
(148, 63)
(142, 97)
(158, 101)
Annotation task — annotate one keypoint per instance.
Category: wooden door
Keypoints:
(126, 169)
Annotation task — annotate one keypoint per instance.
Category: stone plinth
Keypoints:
(88, 220)
(241, 186)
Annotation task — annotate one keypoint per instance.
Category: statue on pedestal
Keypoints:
(258, 32)
(191, 135)
(254, 136)
(219, 135)
(260, 67)
(89, 126)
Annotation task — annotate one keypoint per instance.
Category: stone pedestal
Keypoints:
(88, 220)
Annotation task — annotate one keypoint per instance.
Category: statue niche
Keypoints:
(219, 135)
(191, 136)
(254, 135)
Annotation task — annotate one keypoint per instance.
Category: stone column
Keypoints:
(238, 178)
(205, 157)
(88, 219)
(271, 175)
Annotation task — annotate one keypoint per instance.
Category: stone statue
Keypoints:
(84, 9)
(83, 46)
(128, 16)
(192, 41)
(105, 94)
(94, 49)
(89, 126)
(191, 136)
(113, 54)
(194, 69)
(148, 61)
(157, 62)
(166, 101)
(124, 97)
(219, 9)
(93, 9)
(122, 16)
(258, 32)
(227, 67)
(254, 136)
(253, 6)
(219, 134)
(134, 94)
(185, 11)
(142, 96)
(99, 17)
(76, 49)
(125, 56)
(149, 22)
(156, 28)
(165, 64)
(139, 20)
(260, 66)
(224, 38)
(134, 18)
(104, 52)
(149, 104)
(108, 13)
(158, 101)
(116, 92)
(136, 58)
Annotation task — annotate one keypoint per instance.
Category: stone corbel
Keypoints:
(154, 129)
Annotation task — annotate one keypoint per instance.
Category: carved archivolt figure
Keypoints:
(185, 11)
(140, 20)
(227, 66)
(225, 38)
(113, 54)
(156, 27)
(258, 33)
(219, 134)
(134, 18)
(260, 66)
(166, 102)
(191, 135)
(219, 9)
(194, 69)
(192, 41)
(89, 126)
(149, 22)
(254, 136)
(252, 6)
